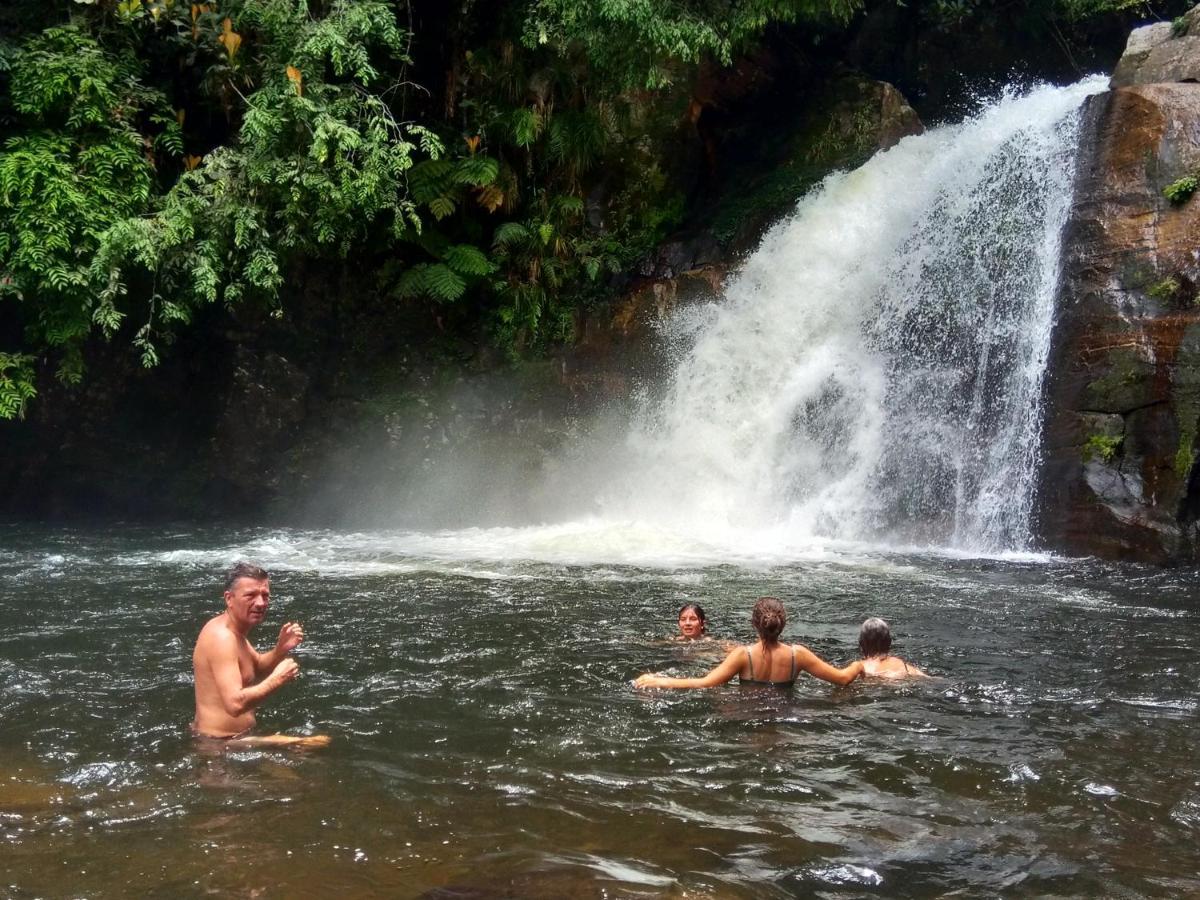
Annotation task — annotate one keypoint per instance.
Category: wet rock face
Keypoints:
(265, 403)
(619, 343)
(1120, 477)
(1161, 53)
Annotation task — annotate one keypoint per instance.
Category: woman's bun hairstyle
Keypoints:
(768, 618)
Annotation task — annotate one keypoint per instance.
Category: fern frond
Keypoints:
(469, 260)
(510, 233)
(476, 171)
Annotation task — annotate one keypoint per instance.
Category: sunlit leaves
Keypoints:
(74, 166)
(16, 384)
(319, 165)
(645, 44)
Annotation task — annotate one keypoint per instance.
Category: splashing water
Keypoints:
(874, 372)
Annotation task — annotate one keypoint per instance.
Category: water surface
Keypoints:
(486, 739)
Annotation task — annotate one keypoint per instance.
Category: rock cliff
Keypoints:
(1120, 477)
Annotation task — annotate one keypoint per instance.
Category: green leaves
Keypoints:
(510, 233)
(436, 280)
(319, 167)
(447, 280)
(476, 171)
(469, 260)
(526, 126)
(16, 384)
(1180, 192)
(164, 157)
(644, 44)
(74, 167)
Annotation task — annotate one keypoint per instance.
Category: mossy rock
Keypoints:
(1105, 448)
(1127, 384)
(855, 118)
(1185, 399)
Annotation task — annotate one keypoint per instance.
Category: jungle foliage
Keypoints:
(500, 160)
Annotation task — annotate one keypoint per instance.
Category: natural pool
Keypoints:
(487, 742)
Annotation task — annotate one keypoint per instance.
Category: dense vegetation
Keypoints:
(497, 162)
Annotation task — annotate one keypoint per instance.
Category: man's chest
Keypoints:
(246, 657)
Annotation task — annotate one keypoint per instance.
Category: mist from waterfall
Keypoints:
(874, 371)
(870, 379)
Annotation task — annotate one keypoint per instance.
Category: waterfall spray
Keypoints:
(874, 372)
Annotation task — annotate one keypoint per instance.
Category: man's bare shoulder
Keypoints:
(216, 637)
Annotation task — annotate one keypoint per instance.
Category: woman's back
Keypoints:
(775, 665)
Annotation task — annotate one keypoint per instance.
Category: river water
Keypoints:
(855, 429)
(487, 742)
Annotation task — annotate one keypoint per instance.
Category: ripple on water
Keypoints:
(1187, 811)
(488, 704)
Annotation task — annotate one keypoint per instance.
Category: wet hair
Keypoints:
(874, 638)
(699, 610)
(768, 618)
(242, 569)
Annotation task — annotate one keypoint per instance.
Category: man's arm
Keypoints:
(237, 699)
(290, 636)
(814, 665)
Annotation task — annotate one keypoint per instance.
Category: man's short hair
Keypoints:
(244, 570)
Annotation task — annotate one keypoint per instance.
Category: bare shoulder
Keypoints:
(892, 667)
(215, 638)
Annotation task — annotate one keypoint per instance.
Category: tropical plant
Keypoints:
(318, 166)
(80, 161)
(1180, 191)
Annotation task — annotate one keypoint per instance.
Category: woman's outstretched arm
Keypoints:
(721, 674)
(814, 665)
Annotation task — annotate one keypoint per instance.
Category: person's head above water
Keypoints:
(692, 621)
(247, 596)
(768, 618)
(244, 570)
(874, 638)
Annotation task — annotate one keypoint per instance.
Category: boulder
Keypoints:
(1161, 53)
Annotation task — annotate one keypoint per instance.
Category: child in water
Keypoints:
(875, 644)
(692, 623)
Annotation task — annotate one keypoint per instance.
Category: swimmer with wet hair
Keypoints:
(692, 623)
(875, 645)
(768, 661)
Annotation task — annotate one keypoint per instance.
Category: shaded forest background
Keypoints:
(350, 184)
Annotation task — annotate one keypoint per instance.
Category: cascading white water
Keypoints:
(874, 371)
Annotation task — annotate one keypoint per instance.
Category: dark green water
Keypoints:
(486, 739)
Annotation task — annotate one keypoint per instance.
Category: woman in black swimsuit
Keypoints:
(768, 661)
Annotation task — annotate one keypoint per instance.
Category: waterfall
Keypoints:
(874, 370)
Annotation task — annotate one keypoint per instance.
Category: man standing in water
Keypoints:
(232, 678)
